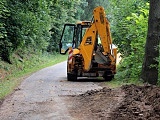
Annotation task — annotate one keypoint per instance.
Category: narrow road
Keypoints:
(42, 96)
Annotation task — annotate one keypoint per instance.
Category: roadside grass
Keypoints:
(116, 82)
(11, 75)
(120, 79)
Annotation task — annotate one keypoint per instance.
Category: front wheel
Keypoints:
(71, 76)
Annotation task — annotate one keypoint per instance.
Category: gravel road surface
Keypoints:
(41, 96)
(47, 95)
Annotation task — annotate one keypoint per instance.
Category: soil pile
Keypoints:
(96, 104)
(129, 102)
(140, 103)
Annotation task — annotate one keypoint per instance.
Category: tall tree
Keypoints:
(150, 64)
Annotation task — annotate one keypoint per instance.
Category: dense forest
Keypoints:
(35, 26)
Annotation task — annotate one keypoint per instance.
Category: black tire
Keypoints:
(71, 77)
(108, 76)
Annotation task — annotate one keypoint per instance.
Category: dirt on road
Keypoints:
(47, 95)
(129, 102)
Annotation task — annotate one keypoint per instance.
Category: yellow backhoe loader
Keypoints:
(89, 47)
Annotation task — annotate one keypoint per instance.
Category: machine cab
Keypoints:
(72, 35)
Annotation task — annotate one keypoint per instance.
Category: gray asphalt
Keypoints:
(42, 96)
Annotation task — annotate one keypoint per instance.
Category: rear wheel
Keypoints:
(71, 76)
(108, 76)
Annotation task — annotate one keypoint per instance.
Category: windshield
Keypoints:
(81, 30)
(67, 37)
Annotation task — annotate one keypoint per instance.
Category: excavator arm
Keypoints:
(100, 27)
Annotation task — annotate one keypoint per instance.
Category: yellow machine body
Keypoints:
(91, 53)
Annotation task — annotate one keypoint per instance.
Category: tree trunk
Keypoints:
(150, 65)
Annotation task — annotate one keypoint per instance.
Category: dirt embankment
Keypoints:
(130, 102)
(96, 104)
(140, 103)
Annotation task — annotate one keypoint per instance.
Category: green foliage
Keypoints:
(4, 42)
(24, 25)
(31, 24)
(118, 12)
(130, 36)
(89, 7)
(62, 12)
(158, 60)
(4, 13)
(35, 25)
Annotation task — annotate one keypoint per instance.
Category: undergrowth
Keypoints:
(128, 75)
